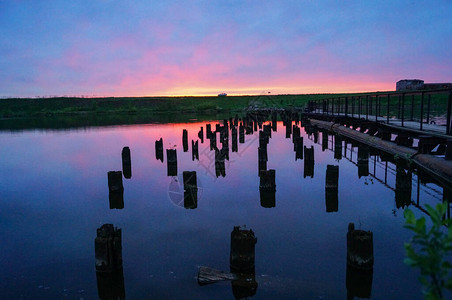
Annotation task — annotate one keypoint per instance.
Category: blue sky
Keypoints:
(119, 48)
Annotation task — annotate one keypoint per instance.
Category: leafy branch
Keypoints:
(430, 249)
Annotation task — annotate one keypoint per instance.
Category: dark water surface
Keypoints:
(54, 195)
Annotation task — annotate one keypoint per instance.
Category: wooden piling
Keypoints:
(159, 149)
(298, 148)
(185, 140)
(201, 134)
(126, 163)
(242, 255)
(360, 251)
(108, 248)
(194, 150)
(267, 180)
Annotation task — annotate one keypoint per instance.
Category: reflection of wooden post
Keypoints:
(309, 162)
(288, 129)
(337, 147)
(267, 188)
(159, 149)
(403, 187)
(126, 163)
(171, 158)
(190, 190)
(185, 140)
(194, 150)
(268, 130)
(324, 140)
(331, 188)
(116, 190)
(109, 271)
(263, 139)
(363, 161)
(298, 148)
(213, 141)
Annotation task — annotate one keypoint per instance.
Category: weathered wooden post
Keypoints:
(288, 129)
(213, 141)
(309, 162)
(403, 186)
(126, 163)
(194, 150)
(171, 158)
(190, 190)
(331, 188)
(159, 149)
(241, 258)
(201, 134)
(263, 139)
(298, 148)
(115, 190)
(109, 271)
(267, 188)
(448, 155)
(220, 169)
(208, 130)
(295, 132)
(185, 140)
(274, 120)
(241, 134)
(268, 130)
(360, 261)
(363, 161)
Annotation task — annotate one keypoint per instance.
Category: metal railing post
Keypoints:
(449, 108)
(387, 109)
(422, 111)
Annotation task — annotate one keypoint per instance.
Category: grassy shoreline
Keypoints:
(70, 106)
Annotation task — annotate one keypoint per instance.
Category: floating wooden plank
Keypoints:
(208, 275)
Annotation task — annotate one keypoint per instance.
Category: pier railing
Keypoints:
(415, 109)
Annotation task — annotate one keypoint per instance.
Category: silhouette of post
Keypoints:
(309, 161)
(213, 141)
(274, 121)
(185, 140)
(159, 149)
(208, 130)
(402, 186)
(171, 158)
(360, 261)
(201, 134)
(241, 134)
(126, 163)
(220, 169)
(242, 262)
(234, 139)
(190, 190)
(288, 129)
(194, 150)
(109, 271)
(363, 161)
(295, 132)
(331, 188)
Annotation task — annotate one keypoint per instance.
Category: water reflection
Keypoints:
(173, 234)
(126, 163)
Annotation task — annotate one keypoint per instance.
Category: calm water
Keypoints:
(54, 195)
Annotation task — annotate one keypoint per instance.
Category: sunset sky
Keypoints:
(139, 48)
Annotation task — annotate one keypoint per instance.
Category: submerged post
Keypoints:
(331, 188)
(159, 149)
(115, 190)
(171, 158)
(190, 189)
